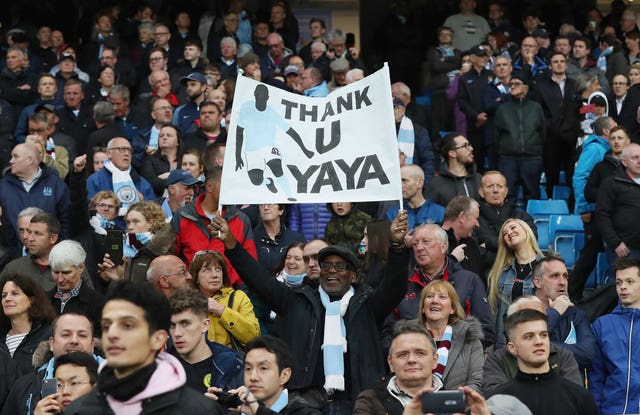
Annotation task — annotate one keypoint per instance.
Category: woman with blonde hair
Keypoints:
(459, 338)
(511, 275)
(146, 237)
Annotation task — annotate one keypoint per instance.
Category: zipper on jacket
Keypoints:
(626, 397)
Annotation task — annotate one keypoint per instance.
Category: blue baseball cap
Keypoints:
(181, 176)
(194, 76)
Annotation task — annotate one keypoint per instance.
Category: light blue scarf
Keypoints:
(335, 340)
(294, 279)
(406, 138)
(123, 186)
(133, 242)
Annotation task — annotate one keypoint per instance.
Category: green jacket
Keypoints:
(520, 129)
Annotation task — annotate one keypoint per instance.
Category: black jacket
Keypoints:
(627, 117)
(445, 186)
(520, 129)
(470, 94)
(78, 127)
(88, 302)
(22, 356)
(617, 210)
(301, 310)
(182, 401)
(560, 111)
(535, 391)
(605, 168)
(8, 376)
(294, 407)
(492, 218)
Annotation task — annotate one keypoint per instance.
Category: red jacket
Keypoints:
(191, 226)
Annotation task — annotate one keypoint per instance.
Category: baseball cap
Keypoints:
(47, 107)
(339, 65)
(66, 56)
(479, 50)
(181, 176)
(291, 69)
(194, 76)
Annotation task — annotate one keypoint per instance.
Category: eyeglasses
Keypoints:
(338, 266)
(71, 385)
(105, 206)
(515, 84)
(465, 145)
(156, 59)
(181, 272)
(121, 149)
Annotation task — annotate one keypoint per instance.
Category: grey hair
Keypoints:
(321, 44)
(230, 41)
(601, 124)
(353, 73)
(30, 211)
(336, 34)
(120, 91)
(439, 233)
(584, 80)
(104, 113)
(515, 306)
(67, 252)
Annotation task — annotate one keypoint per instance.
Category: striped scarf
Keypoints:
(444, 346)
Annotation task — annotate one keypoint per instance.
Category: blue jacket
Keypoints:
(593, 150)
(319, 90)
(185, 115)
(310, 219)
(429, 212)
(49, 193)
(22, 126)
(615, 371)
(576, 321)
(101, 180)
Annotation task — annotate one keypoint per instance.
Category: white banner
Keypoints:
(288, 148)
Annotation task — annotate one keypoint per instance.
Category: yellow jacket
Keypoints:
(241, 321)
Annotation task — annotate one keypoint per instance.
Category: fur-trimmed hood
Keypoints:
(43, 354)
(163, 241)
(472, 329)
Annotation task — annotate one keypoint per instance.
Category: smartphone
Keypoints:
(114, 245)
(443, 402)
(49, 387)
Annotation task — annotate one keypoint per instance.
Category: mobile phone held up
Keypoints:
(49, 387)
(443, 402)
(114, 245)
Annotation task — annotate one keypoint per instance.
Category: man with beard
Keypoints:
(179, 190)
(196, 86)
(209, 130)
(458, 175)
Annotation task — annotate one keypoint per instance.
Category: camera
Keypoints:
(228, 400)
(443, 402)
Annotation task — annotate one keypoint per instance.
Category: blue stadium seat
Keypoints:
(602, 268)
(563, 177)
(561, 191)
(566, 234)
(424, 100)
(540, 210)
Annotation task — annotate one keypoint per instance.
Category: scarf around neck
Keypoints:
(335, 340)
(123, 186)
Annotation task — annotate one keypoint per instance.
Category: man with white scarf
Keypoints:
(118, 176)
(332, 330)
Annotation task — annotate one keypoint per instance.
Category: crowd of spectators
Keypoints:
(111, 151)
